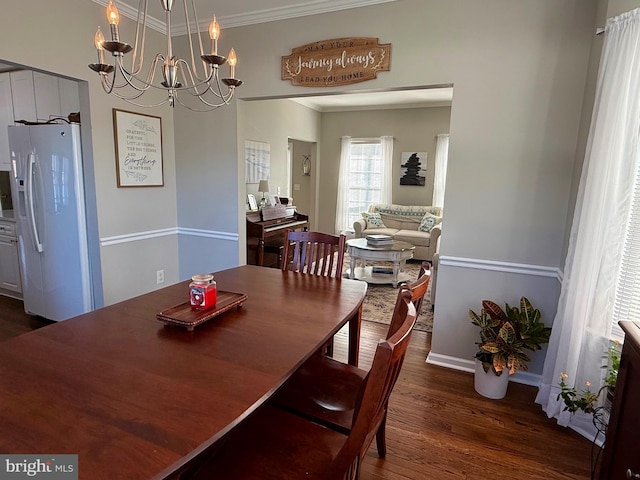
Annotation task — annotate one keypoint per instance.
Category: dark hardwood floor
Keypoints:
(13, 320)
(438, 427)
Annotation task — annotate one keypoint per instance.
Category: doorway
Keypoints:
(302, 180)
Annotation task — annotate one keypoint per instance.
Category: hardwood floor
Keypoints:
(438, 427)
(13, 320)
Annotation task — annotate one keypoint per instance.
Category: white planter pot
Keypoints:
(488, 384)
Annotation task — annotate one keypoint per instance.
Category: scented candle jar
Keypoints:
(202, 292)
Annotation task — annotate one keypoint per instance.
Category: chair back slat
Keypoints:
(375, 390)
(418, 289)
(315, 253)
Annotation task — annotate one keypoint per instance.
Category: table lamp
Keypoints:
(263, 187)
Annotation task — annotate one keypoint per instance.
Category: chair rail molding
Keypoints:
(150, 234)
(507, 267)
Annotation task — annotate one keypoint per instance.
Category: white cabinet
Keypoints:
(69, 96)
(47, 95)
(39, 97)
(6, 118)
(24, 98)
(9, 260)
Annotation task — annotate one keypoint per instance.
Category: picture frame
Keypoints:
(138, 142)
(273, 200)
(257, 161)
(253, 205)
(413, 168)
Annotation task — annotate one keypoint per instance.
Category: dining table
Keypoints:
(136, 398)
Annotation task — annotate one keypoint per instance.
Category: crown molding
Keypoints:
(251, 18)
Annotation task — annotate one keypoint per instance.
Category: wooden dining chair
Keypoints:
(316, 253)
(325, 390)
(275, 444)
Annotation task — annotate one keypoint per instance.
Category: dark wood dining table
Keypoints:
(136, 399)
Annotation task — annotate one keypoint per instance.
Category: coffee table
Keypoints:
(397, 252)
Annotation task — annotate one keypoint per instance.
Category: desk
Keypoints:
(136, 399)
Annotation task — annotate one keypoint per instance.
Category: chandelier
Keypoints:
(180, 79)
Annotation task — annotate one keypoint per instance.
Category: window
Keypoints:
(626, 305)
(365, 177)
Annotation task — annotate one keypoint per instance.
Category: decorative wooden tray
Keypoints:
(185, 316)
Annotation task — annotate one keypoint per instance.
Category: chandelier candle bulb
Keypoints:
(113, 16)
(214, 34)
(232, 60)
(99, 41)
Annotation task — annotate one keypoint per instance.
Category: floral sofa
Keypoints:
(418, 225)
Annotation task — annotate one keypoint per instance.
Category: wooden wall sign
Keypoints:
(341, 61)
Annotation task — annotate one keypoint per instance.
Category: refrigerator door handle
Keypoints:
(31, 214)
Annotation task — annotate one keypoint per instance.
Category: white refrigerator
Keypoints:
(49, 208)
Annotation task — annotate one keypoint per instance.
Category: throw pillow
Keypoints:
(428, 222)
(374, 220)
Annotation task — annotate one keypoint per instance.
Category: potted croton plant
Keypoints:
(504, 337)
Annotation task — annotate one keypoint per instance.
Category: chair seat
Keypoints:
(323, 390)
(271, 444)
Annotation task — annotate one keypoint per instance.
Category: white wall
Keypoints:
(128, 268)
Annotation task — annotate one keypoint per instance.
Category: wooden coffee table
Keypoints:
(397, 253)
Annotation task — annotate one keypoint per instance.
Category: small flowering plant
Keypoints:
(587, 400)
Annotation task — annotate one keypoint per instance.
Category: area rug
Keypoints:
(380, 300)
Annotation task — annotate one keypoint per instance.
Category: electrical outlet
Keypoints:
(160, 276)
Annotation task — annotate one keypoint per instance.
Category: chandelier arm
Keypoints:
(194, 68)
(146, 84)
(197, 110)
(188, 23)
(219, 93)
(136, 69)
(224, 99)
(193, 84)
(130, 100)
(106, 85)
(214, 80)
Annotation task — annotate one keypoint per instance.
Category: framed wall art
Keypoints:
(257, 161)
(413, 168)
(138, 140)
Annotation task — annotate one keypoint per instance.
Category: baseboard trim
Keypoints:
(507, 267)
(150, 234)
(468, 366)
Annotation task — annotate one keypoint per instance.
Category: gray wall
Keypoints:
(413, 130)
(519, 75)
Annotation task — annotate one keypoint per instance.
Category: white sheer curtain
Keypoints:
(442, 156)
(582, 325)
(387, 169)
(343, 185)
(380, 188)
